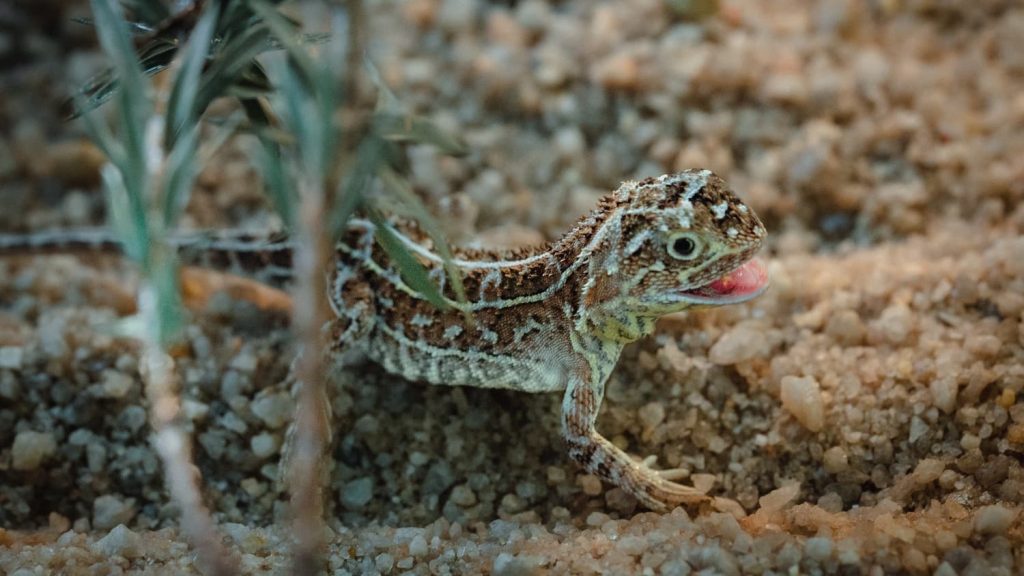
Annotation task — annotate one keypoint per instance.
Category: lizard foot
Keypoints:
(657, 490)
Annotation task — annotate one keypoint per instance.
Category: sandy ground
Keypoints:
(864, 416)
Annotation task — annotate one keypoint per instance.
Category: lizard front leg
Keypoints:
(600, 457)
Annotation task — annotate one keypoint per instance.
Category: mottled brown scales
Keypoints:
(545, 318)
(556, 317)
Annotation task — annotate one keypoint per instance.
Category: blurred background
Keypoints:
(837, 120)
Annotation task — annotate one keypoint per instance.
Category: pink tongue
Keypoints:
(747, 279)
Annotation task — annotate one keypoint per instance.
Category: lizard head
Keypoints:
(681, 240)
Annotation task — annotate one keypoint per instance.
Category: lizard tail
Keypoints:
(267, 260)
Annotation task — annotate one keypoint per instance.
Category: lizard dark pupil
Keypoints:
(683, 246)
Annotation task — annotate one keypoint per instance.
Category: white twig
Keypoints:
(174, 445)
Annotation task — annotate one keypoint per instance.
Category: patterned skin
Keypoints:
(544, 319)
(557, 317)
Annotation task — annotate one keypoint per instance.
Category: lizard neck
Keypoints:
(615, 327)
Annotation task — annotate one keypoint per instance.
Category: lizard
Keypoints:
(549, 318)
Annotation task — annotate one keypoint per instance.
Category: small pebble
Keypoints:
(357, 493)
(928, 471)
(245, 361)
(777, 499)
(133, 418)
(512, 503)
(254, 487)
(742, 343)
(120, 541)
(463, 496)
(651, 415)
(819, 549)
(439, 478)
(846, 328)
(944, 389)
(275, 410)
(993, 520)
(10, 357)
(835, 460)
(265, 444)
(896, 322)
(801, 396)
(116, 384)
(110, 510)
(590, 484)
(703, 482)
(30, 449)
(418, 546)
(384, 562)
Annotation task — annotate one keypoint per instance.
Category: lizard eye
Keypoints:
(685, 246)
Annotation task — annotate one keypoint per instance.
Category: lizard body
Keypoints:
(544, 319)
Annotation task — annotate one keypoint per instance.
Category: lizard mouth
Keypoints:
(742, 284)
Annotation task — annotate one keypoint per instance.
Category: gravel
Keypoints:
(863, 416)
(801, 397)
(30, 449)
(120, 542)
(110, 510)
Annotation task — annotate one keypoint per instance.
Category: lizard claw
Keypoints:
(673, 473)
(669, 474)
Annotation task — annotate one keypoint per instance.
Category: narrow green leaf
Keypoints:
(411, 128)
(181, 112)
(128, 230)
(285, 33)
(355, 186)
(184, 162)
(104, 138)
(181, 169)
(97, 90)
(234, 58)
(278, 182)
(300, 116)
(414, 274)
(308, 91)
(165, 279)
(151, 12)
(252, 83)
(386, 99)
(116, 41)
(244, 90)
(154, 57)
(257, 111)
(134, 108)
(404, 194)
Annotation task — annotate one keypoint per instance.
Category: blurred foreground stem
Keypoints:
(310, 314)
(157, 294)
(173, 444)
(147, 181)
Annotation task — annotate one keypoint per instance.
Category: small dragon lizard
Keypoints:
(544, 319)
